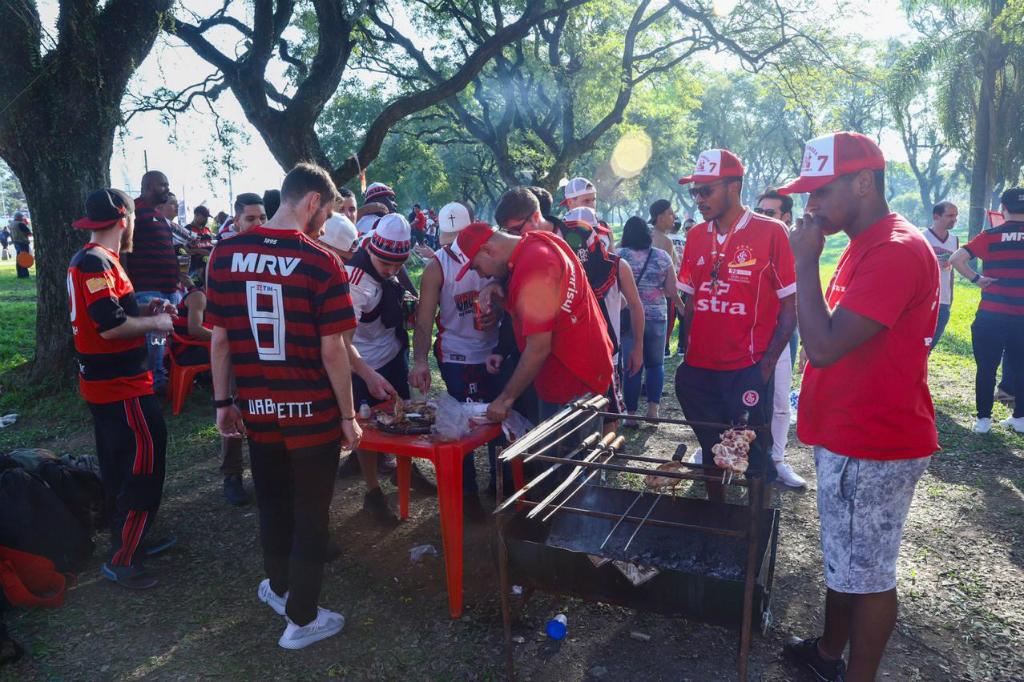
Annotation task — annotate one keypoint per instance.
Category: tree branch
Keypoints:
(410, 104)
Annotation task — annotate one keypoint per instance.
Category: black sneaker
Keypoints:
(805, 652)
(417, 481)
(472, 510)
(376, 505)
(234, 491)
(158, 545)
(132, 577)
(350, 467)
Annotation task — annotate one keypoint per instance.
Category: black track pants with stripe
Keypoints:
(131, 444)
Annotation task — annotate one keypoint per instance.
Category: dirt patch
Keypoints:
(961, 578)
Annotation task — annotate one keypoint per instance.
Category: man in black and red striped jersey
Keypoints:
(279, 305)
(152, 265)
(999, 322)
(109, 331)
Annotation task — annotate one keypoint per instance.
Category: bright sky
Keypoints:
(172, 65)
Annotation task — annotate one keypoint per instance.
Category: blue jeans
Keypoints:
(654, 364)
(156, 344)
(471, 382)
(794, 346)
(1006, 382)
(940, 325)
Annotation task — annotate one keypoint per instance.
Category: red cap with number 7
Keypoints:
(831, 156)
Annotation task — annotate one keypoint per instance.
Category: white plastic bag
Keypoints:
(515, 426)
(452, 420)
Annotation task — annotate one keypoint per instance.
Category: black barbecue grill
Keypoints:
(569, 530)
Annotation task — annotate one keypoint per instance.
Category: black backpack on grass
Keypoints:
(34, 519)
(80, 490)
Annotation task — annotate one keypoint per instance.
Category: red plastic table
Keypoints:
(447, 457)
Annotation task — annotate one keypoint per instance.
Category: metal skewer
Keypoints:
(610, 451)
(676, 457)
(571, 411)
(576, 471)
(622, 518)
(555, 442)
(657, 499)
(590, 441)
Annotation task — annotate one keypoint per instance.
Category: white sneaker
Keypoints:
(983, 425)
(270, 598)
(1015, 423)
(788, 476)
(697, 457)
(326, 624)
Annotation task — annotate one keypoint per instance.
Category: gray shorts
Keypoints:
(862, 504)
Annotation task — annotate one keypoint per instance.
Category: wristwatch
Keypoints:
(977, 276)
(224, 402)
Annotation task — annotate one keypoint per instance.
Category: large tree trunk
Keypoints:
(981, 173)
(57, 132)
(55, 181)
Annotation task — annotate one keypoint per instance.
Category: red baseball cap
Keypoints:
(714, 164)
(470, 240)
(104, 208)
(831, 156)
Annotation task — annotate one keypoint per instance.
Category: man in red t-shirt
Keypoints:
(740, 312)
(864, 404)
(558, 324)
(279, 305)
(110, 339)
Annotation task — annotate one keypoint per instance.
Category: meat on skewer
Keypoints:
(733, 453)
(660, 482)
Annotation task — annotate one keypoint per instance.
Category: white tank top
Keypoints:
(457, 340)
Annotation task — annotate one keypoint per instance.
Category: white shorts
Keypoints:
(862, 504)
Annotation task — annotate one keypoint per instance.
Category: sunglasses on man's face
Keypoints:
(515, 229)
(770, 212)
(704, 191)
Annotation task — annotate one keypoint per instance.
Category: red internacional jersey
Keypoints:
(735, 317)
(548, 292)
(277, 292)
(874, 402)
(101, 298)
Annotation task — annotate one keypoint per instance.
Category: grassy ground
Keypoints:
(961, 570)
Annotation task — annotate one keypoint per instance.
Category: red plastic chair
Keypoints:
(184, 376)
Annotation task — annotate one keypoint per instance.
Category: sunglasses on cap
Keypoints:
(705, 190)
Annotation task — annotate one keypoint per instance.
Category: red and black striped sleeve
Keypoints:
(214, 297)
(980, 245)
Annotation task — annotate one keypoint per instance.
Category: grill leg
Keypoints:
(503, 586)
(755, 495)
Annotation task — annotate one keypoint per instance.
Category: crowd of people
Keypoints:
(302, 305)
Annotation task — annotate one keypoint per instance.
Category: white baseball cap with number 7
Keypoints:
(832, 156)
(713, 165)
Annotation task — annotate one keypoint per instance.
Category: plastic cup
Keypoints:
(557, 627)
